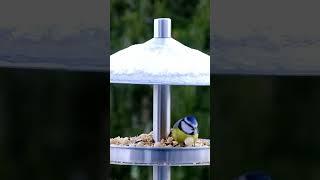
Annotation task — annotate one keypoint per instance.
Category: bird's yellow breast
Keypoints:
(180, 136)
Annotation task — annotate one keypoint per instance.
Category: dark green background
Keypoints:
(131, 105)
(266, 123)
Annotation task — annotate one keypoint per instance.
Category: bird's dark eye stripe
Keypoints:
(188, 123)
(179, 126)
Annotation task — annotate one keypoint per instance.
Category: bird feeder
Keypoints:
(161, 61)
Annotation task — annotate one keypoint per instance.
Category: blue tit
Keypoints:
(184, 128)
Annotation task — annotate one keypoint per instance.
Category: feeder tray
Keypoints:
(160, 156)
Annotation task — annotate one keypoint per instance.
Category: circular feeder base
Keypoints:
(159, 156)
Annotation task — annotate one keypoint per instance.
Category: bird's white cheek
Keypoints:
(186, 128)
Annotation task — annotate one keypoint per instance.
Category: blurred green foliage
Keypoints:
(131, 105)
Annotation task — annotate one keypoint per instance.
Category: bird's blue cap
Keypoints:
(192, 120)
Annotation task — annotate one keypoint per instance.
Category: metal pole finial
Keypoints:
(162, 28)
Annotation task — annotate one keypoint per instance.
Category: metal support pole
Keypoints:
(161, 172)
(161, 103)
(161, 124)
(161, 111)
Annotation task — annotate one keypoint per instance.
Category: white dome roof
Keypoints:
(160, 61)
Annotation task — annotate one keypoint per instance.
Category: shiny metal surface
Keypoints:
(162, 28)
(159, 156)
(161, 173)
(161, 124)
(161, 111)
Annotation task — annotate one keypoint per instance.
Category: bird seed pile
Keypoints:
(146, 140)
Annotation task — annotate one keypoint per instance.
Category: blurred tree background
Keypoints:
(131, 105)
(266, 123)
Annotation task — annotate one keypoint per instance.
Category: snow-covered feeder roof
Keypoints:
(160, 60)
